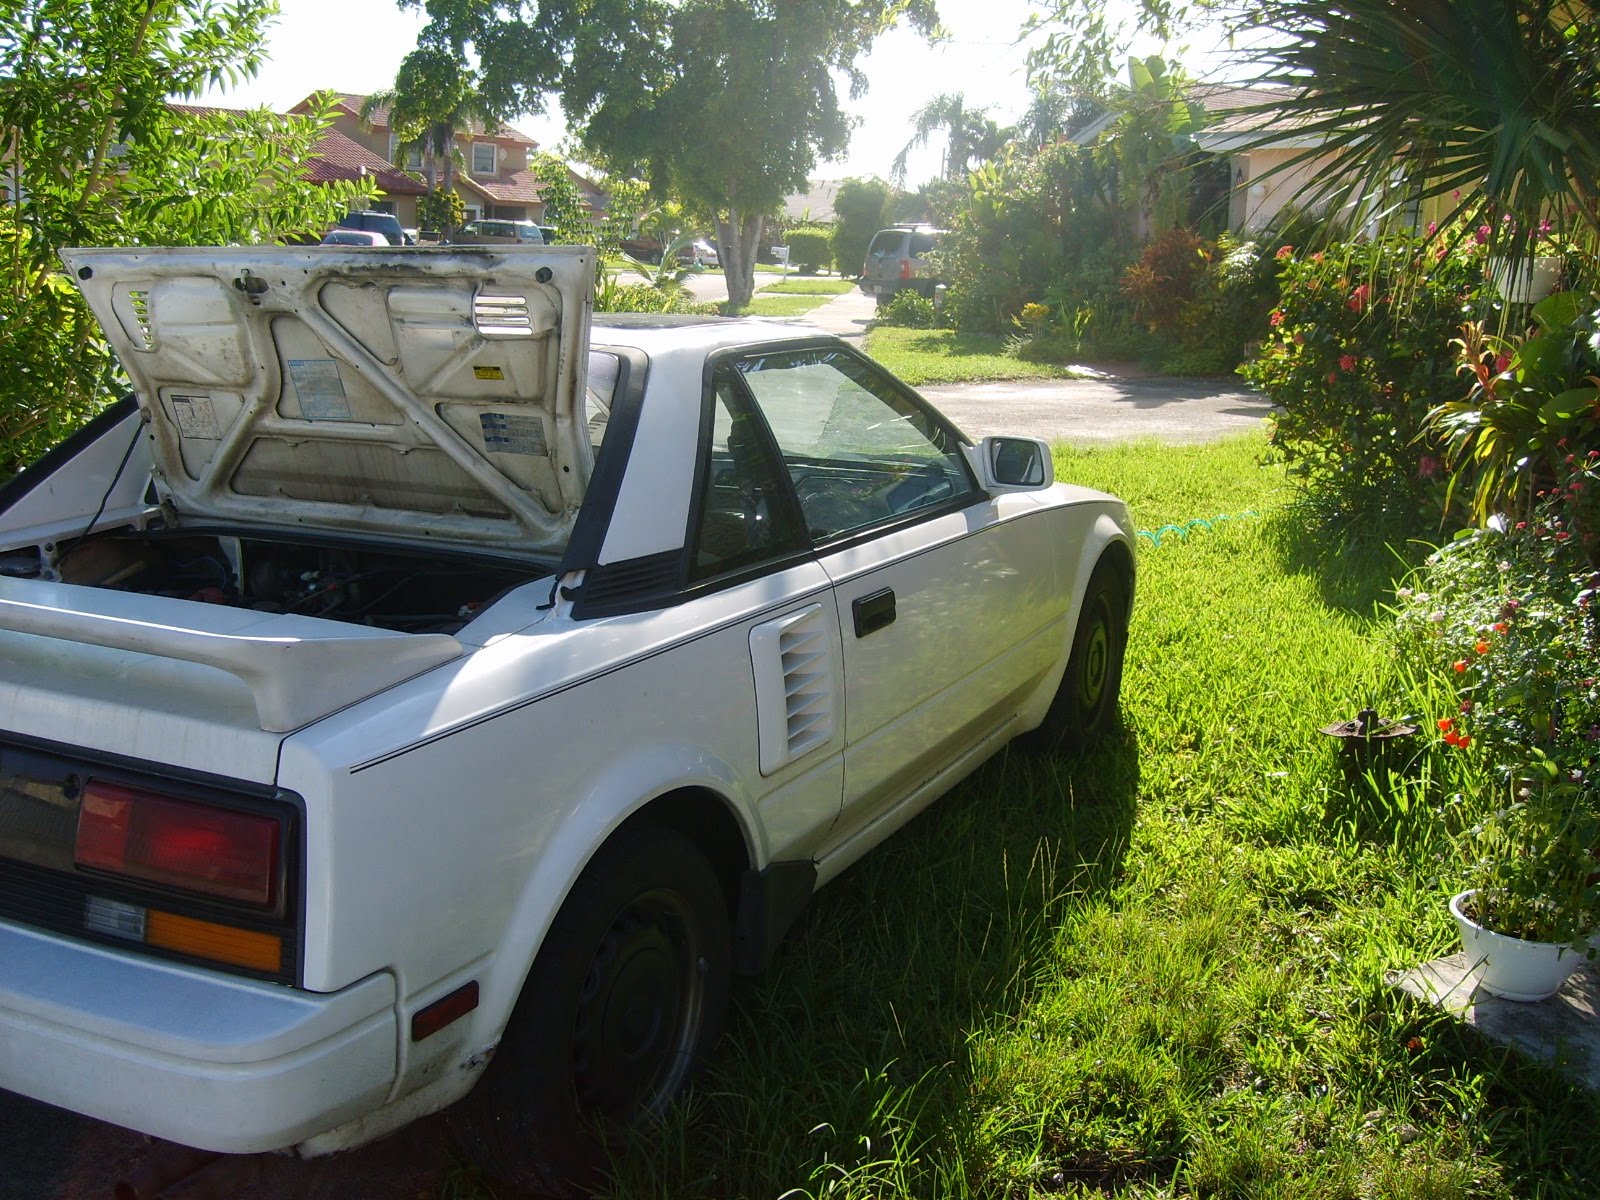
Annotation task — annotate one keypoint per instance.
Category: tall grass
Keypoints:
(1157, 971)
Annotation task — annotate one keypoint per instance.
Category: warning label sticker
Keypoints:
(321, 391)
(513, 433)
(195, 417)
(488, 373)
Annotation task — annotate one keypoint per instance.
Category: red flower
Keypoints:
(1275, 319)
(1358, 299)
(1452, 739)
(1427, 466)
(1299, 339)
(1284, 252)
(1466, 706)
(1444, 724)
(1463, 741)
(1481, 647)
(1502, 364)
(1333, 377)
(1500, 627)
(1460, 665)
(1348, 362)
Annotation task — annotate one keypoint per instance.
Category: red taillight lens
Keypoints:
(905, 268)
(160, 839)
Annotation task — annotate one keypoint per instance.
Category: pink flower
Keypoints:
(1284, 252)
(1433, 228)
(1358, 299)
(1275, 319)
(1482, 234)
(1502, 364)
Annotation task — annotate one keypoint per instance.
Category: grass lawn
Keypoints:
(922, 356)
(808, 285)
(764, 305)
(1154, 972)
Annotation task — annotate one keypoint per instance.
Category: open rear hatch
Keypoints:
(412, 394)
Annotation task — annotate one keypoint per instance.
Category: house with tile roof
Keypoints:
(492, 176)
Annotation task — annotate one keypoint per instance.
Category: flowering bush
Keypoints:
(1512, 618)
(1358, 355)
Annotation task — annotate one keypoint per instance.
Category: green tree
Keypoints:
(724, 104)
(433, 98)
(858, 213)
(563, 203)
(95, 154)
(970, 136)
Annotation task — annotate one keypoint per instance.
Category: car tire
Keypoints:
(1087, 704)
(625, 997)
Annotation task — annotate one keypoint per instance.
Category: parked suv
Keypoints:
(897, 260)
(374, 221)
(498, 233)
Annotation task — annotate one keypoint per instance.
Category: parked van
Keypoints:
(498, 233)
(897, 261)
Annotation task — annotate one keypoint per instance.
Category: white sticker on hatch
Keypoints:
(513, 433)
(321, 391)
(195, 417)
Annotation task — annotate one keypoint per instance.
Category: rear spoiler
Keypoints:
(297, 668)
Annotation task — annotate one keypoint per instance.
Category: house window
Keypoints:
(483, 158)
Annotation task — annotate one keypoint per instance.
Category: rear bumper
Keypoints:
(185, 1054)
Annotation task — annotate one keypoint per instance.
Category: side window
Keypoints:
(858, 452)
(745, 516)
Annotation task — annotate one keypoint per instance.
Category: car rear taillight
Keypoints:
(160, 839)
(906, 270)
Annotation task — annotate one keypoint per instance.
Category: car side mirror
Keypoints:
(1013, 464)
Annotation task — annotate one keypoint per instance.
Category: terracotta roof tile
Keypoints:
(337, 157)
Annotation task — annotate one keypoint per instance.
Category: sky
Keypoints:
(356, 46)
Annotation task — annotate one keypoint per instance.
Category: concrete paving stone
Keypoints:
(1563, 1031)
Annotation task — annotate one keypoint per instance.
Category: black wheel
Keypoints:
(1086, 705)
(626, 996)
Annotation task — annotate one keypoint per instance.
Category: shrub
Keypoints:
(1163, 281)
(611, 296)
(858, 208)
(809, 249)
(440, 210)
(910, 310)
(1358, 354)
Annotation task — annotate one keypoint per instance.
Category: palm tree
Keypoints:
(431, 100)
(1497, 95)
(971, 135)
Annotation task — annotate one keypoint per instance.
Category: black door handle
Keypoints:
(873, 611)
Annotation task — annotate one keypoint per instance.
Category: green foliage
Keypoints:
(627, 205)
(1489, 102)
(1511, 620)
(563, 202)
(726, 104)
(858, 213)
(1358, 356)
(970, 136)
(1162, 283)
(810, 248)
(440, 210)
(910, 311)
(1534, 403)
(611, 295)
(100, 157)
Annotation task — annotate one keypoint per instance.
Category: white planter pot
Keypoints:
(1512, 968)
(1522, 280)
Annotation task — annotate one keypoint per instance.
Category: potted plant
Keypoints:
(1533, 901)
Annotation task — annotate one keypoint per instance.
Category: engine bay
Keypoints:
(398, 589)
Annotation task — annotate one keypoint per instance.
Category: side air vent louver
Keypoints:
(795, 701)
(139, 301)
(501, 316)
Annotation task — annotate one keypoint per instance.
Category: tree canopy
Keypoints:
(726, 104)
(95, 154)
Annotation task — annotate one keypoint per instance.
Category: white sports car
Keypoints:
(415, 676)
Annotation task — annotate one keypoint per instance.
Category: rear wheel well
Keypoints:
(705, 819)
